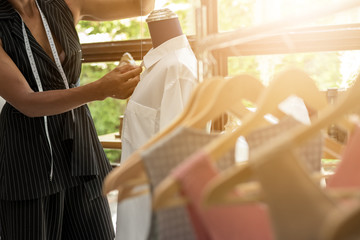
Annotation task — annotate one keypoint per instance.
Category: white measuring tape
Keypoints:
(54, 52)
(37, 77)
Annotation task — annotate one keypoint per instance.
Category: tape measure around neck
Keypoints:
(53, 47)
(37, 77)
(40, 88)
(54, 52)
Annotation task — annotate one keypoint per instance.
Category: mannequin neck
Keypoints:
(163, 30)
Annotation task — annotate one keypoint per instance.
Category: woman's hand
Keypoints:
(120, 82)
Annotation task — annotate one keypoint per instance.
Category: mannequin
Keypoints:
(164, 29)
(166, 84)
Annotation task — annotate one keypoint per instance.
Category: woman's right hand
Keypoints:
(120, 82)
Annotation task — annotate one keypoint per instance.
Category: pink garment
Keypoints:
(347, 174)
(250, 222)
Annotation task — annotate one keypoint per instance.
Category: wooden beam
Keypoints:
(112, 51)
(316, 39)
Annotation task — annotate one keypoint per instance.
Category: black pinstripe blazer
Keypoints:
(24, 150)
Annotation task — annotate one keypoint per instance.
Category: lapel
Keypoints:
(61, 27)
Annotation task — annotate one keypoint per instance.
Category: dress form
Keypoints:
(163, 25)
(167, 81)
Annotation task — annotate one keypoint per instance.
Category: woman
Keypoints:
(51, 162)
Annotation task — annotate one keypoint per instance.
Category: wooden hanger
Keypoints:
(225, 183)
(235, 88)
(314, 203)
(130, 173)
(344, 225)
(251, 191)
(227, 98)
(332, 149)
(288, 82)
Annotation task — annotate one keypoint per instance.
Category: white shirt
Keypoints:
(166, 84)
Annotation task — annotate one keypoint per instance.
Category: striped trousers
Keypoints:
(67, 215)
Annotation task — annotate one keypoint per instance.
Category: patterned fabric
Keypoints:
(24, 151)
(248, 221)
(159, 160)
(68, 214)
(234, 222)
(310, 153)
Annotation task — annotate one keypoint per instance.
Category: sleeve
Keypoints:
(179, 84)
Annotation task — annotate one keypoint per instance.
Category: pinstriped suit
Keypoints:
(24, 151)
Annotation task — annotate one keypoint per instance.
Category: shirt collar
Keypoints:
(155, 54)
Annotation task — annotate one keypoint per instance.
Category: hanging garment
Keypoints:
(195, 175)
(217, 223)
(347, 173)
(346, 176)
(310, 153)
(159, 160)
(166, 84)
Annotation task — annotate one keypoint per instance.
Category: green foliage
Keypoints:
(322, 67)
(105, 113)
(247, 65)
(127, 29)
(175, 2)
(234, 14)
